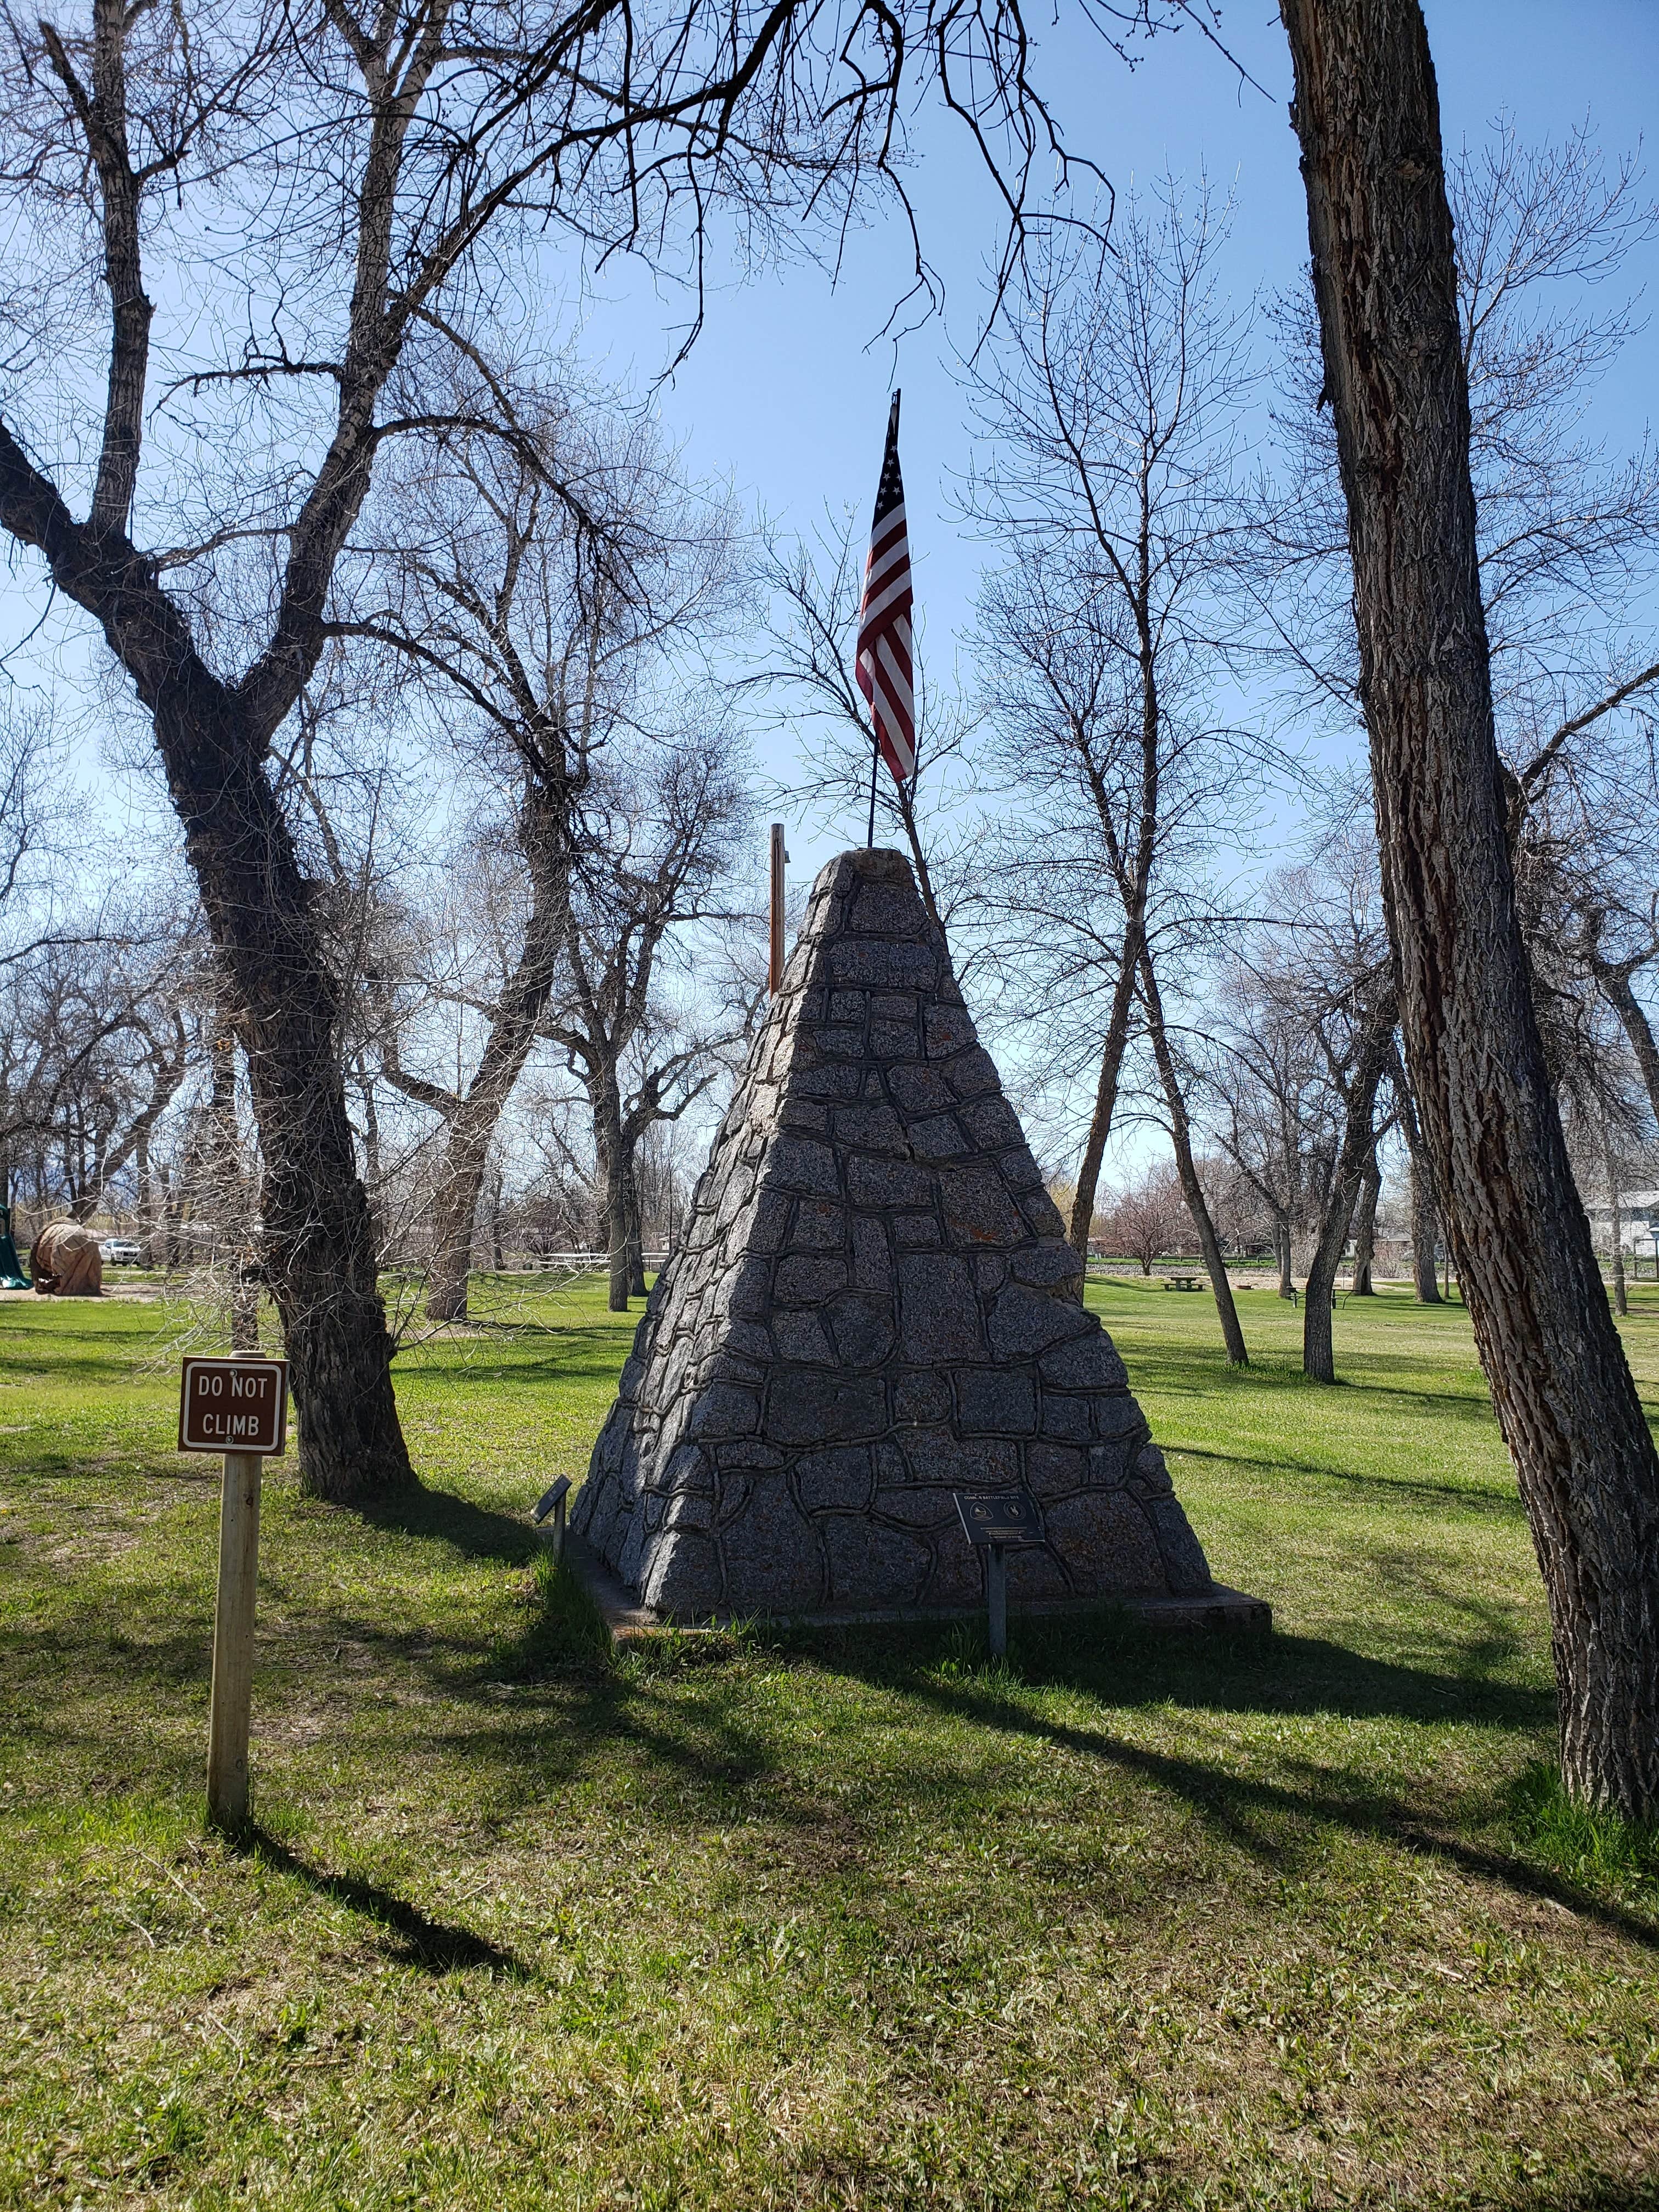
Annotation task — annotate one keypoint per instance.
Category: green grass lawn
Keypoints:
(835, 1921)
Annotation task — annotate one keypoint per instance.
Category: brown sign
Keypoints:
(234, 1406)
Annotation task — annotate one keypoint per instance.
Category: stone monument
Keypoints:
(873, 1306)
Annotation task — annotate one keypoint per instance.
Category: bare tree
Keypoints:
(1303, 1041)
(1342, 982)
(99, 1028)
(33, 804)
(545, 622)
(660, 837)
(1112, 398)
(1367, 115)
(363, 165)
(1265, 1099)
(1568, 540)
(1146, 1216)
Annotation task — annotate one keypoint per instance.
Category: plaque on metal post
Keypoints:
(996, 1524)
(1006, 1518)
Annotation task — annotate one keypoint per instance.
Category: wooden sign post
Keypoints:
(775, 966)
(1009, 1520)
(239, 1408)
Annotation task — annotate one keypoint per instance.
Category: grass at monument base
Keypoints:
(825, 1921)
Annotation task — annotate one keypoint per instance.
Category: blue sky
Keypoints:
(787, 389)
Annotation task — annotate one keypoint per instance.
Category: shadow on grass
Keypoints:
(1238, 1805)
(1613, 2195)
(1475, 1495)
(473, 1529)
(435, 1945)
(1111, 1656)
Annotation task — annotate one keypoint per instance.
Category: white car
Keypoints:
(121, 1252)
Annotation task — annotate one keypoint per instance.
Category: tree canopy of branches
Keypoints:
(1113, 393)
(547, 629)
(1301, 1041)
(341, 186)
(659, 862)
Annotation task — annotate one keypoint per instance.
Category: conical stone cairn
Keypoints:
(872, 1308)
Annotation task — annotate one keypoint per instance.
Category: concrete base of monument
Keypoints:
(1229, 1611)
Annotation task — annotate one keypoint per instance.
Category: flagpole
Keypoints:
(891, 454)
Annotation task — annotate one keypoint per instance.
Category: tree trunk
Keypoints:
(611, 1160)
(1191, 1189)
(172, 1216)
(1615, 985)
(1367, 113)
(1100, 1122)
(1364, 1234)
(544, 840)
(1426, 1233)
(1357, 1155)
(373, 1176)
(318, 1242)
(244, 1303)
(1318, 1292)
(454, 1211)
(1282, 1256)
(147, 1223)
(214, 742)
(1620, 1297)
(635, 1228)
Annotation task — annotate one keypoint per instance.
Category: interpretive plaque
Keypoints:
(1009, 1519)
(234, 1406)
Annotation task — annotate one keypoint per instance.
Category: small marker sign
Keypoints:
(237, 1407)
(234, 1406)
(997, 1524)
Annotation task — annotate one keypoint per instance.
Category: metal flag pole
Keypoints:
(775, 961)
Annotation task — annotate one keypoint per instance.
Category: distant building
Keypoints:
(1638, 1221)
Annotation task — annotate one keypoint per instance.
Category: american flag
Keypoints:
(884, 667)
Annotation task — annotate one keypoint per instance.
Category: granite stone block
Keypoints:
(938, 1314)
(838, 1481)
(864, 1555)
(922, 1400)
(999, 1401)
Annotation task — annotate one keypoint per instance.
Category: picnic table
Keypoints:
(1181, 1282)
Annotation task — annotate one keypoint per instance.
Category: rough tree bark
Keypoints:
(612, 1161)
(1282, 1256)
(214, 738)
(1367, 115)
(1191, 1189)
(635, 1228)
